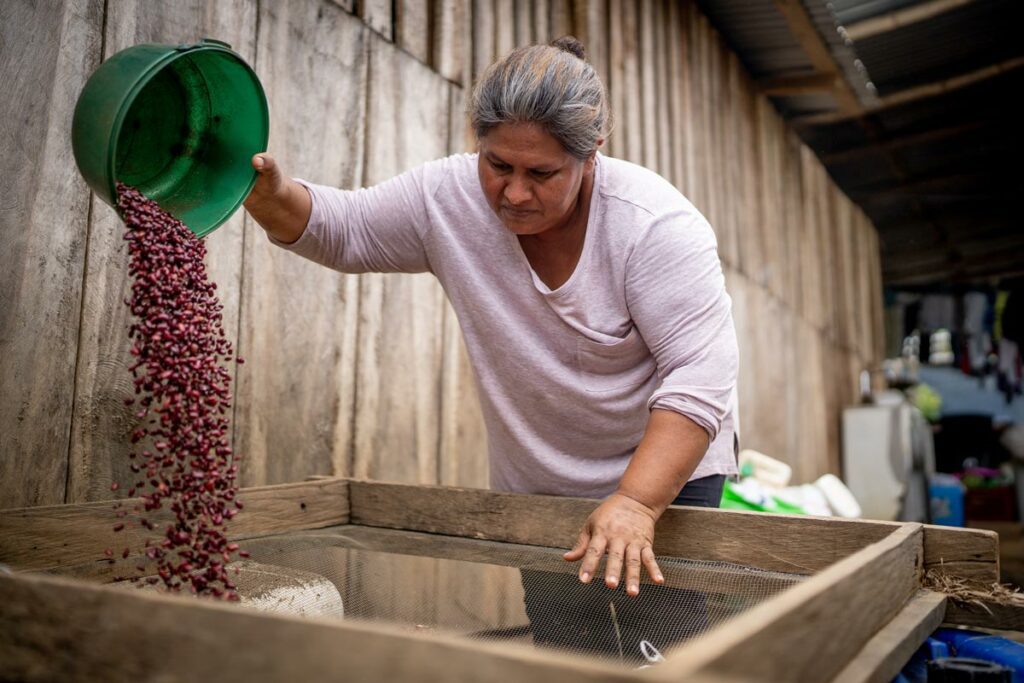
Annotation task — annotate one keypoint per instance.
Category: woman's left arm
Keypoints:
(675, 290)
(623, 525)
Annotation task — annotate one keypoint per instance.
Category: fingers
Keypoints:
(263, 162)
(633, 569)
(580, 547)
(647, 556)
(613, 571)
(594, 552)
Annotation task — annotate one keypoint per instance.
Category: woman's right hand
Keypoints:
(279, 204)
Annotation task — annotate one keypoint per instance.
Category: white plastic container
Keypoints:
(765, 469)
(839, 498)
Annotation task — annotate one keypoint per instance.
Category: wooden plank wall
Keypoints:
(367, 375)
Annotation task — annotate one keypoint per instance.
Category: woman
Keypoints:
(589, 293)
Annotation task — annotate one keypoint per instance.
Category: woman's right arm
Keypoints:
(279, 204)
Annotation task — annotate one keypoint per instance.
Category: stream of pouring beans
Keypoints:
(181, 459)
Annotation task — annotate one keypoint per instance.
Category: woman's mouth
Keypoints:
(516, 213)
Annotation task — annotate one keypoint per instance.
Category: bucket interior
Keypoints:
(188, 136)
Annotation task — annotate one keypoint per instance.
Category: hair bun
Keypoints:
(571, 45)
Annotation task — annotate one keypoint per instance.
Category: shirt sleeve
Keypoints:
(675, 290)
(378, 229)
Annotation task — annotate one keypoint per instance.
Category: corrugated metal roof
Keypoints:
(937, 175)
(952, 43)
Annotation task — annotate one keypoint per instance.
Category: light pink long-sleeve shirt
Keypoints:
(567, 377)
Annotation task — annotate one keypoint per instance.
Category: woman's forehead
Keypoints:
(523, 144)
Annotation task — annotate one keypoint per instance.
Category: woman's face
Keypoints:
(530, 181)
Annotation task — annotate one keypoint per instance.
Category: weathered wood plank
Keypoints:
(679, 103)
(882, 657)
(47, 52)
(795, 636)
(772, 542)
(377, 15)
(631, 112)
(462, 459)
(985, 614)
(58, 629)
(542, 22)
(648, 87)
(504, 27)
(298, 330)
(61, 535)
(102, 423)
(449, 35)
(484, 36)
(523, 22)
(400, 316)
(412, 28)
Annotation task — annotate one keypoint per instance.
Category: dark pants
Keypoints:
(565, 613)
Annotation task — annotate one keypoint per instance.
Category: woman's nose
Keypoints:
(517, 192)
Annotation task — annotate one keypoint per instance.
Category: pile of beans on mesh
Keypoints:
(181, 458)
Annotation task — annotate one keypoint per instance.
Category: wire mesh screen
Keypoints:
(482, 589)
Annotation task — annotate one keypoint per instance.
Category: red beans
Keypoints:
(183, 387)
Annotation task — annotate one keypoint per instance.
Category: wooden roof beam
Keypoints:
(899, 142)
(913, 94)
(901, 17)
(801, 25)
(799, 85)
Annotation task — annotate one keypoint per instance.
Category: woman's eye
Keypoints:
(543, 174)
(500, 167)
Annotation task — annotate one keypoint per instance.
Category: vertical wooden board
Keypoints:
(462, 454)
(737, 286)
(631, 128)
(789, 403)
(102, 423)
(751, 232)
(648, 86)
(616, 79)
(483, 39)
(825, 255)
(690, 101)
(504, 27)
(712, 120)
(699, 94)
(771, 172)
(400, 316)
(663, 90)
(770, 349)
(48, 50)
(866, 302)
(523, 22)
(812, 382)
(835, 245)
(811, 258)
(848, 267)
(731, 169)
(793, 222)
(412, 28)
(679, 100)
(460, 132)
(542, 22)
(449, 39)
(878, 317)
(590, 23)
(295, 396)
(377, 15)
(462, 460)
(560, 20)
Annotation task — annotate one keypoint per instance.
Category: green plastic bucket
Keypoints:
(178, 122)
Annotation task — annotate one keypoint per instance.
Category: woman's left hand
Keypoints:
(624, 528)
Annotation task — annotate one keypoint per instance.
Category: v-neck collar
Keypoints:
(588, 238)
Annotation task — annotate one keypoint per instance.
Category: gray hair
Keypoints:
(547, 84)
